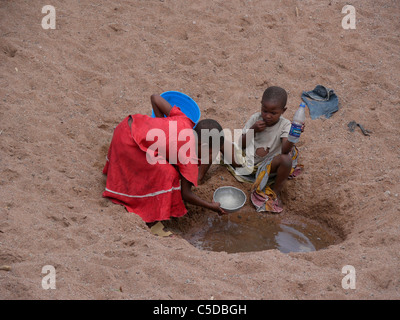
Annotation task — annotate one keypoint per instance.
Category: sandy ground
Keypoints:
(63, 91)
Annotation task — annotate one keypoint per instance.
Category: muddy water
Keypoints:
(252, 231)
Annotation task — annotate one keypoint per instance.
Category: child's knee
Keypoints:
(282, 161)
(286, 160)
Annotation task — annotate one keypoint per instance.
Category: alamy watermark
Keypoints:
(349, 280)
(188, 152)
(49, 20)
(349, 20)
(49, 280)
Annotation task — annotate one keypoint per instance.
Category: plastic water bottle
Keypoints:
(298, 121)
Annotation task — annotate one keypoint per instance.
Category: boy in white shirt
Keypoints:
(270, 144)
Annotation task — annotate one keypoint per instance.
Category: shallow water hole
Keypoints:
(248, 231)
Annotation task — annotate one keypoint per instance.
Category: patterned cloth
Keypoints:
(262, 196)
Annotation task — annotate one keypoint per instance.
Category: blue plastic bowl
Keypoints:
(187, 105)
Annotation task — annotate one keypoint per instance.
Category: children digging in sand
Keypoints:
(273, 155)
(154, 182)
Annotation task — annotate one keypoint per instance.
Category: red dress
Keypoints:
(152, 191)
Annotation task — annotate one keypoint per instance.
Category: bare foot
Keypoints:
(150, 224)
(278, 200)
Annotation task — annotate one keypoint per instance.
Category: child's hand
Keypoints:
(302, 127)
(259, 126)
(216, 206)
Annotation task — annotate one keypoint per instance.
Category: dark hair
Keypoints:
(276, 94)
(212, 130)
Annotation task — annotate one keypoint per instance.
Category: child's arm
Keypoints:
(189, 196)
(203, 168)
(160, 106)
(257, 127)
(287, 145)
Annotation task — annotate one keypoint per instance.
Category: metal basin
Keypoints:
(230, 198)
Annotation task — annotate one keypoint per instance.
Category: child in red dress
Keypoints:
(147, 181)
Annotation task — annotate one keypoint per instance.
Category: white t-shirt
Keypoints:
(270, 137)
